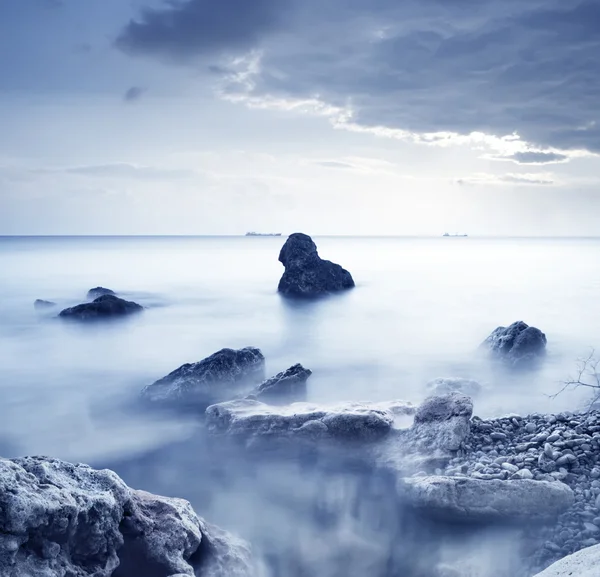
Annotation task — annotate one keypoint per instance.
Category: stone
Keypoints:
(285, 387)
(107, 306)
(517, 345)
(442, 423)
(475, 500)
(219, 377)
(354, 421)
(99, 292)
(306, 273)
(42, 304)
(583, 563)
(445, 385)
(58, 520)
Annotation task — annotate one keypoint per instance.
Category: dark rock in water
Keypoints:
(306, 273)
(59, 519)
(286, 387)
(217, 378)
(99, 292)
(103, 307)
(42, 304)
(519, 345)
(476, 500)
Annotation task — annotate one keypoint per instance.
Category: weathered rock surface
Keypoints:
(103, 307)
(584, 563)
(349, 421)
(99, 292)
(306, 273)
(63, 520)
(445, 385)
(474, 500)
(518, 345)
(216, 378)
(41, 304)
(286, 387)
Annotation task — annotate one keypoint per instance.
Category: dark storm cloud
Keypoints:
(534, 157)
(134, 93)
(417, 65)
(182, 29)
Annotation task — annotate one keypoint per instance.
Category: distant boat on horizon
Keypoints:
(263, 234)
(455, 234)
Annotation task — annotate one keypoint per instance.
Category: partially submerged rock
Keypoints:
(41, 304)
(285, 387)
(99, 291)
(349, 421)
(584, 563)
(445, 385)
(59, 519)
(306, 273)
(216, 378)
(517, 345)
(475, 500)
(107, 306)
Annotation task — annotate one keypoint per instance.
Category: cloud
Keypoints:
(429, 71)
(534, 157)
(495, 179)
(185, 29)
(134, 93)
(334, 164)
(120, 170)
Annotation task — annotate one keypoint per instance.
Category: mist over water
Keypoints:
(420, 309)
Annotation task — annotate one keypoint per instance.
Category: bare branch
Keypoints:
(587, 376)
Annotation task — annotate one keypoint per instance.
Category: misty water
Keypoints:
(420, 309)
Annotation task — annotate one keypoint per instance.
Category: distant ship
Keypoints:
(263, 234)
(455, 234)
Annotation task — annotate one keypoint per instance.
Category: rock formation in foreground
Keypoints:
(217, 378)
(286, 387)
(306, 273)
(99, 291)
(250, 419)
(517, 345)
(107, 306)
(41, 304)
(63, 520)
(584, 563)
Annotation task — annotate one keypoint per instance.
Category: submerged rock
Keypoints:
(518, 345)
(584, 563)
(285, 387)
(42, 304)
(443, 386)
(59, 519)
(306, 273)
(103, 307)
(348, 421)
(216, 378)
(475, 500)
(99, 292)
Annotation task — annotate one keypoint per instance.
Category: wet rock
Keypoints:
(59, 519)
(107, 306)
(286, 387)
(99, 292)
(216, 378)
(349, 421)
(42, 304)
(518, 345)
(445, 385)
(475, 500)
(584, 563)
(306, 273)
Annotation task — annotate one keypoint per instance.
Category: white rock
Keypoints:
(584, 563)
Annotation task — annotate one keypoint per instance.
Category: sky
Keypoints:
(326, 117)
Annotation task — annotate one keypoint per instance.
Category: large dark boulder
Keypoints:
(106, 306)
(286, 387)
(58, 519)
(99, 292)
(306, 273)
(517, 345)
(217, 378)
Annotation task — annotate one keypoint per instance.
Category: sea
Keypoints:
(420, 310)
